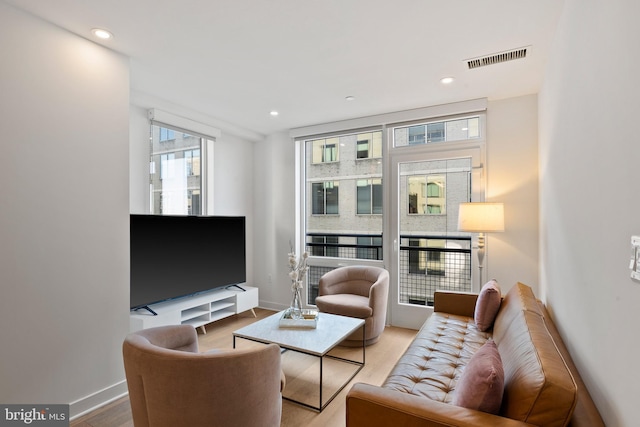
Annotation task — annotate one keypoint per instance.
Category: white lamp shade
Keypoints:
(481, 217)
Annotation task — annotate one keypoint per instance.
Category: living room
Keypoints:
(69, 183)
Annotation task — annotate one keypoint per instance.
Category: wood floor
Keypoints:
(380, 358)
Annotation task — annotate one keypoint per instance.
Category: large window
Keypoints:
(405, 173)
(175, 172)
(343, 201)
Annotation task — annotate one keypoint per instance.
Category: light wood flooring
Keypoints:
(380, 358)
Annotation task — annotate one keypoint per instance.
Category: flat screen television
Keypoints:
(178, 256)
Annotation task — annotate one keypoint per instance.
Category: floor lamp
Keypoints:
(481, 218)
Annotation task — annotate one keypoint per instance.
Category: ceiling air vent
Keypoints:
(497, 58)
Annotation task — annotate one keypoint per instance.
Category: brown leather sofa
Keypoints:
(541, 384)
(172, 384)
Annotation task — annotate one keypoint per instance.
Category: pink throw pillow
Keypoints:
(481, 384)
(487, 305)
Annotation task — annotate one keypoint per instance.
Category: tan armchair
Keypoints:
(360, 292)
(171, 384)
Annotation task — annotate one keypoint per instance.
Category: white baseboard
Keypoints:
(98, 399)
(275, 306)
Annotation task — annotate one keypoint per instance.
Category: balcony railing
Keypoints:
(430, 263)
(345, 245)
(426, 263)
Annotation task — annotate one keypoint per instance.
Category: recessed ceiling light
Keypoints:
(350, 98)
(102, 34)
(446, 80)
(274, 113)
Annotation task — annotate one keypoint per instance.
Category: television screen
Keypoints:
(176, 256)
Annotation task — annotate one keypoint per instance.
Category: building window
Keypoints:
(438, 131)
(167, 134)
(427, 194)
(369, 145)
(192, 161)
(325, 198)
(369, 195)
(325, 150)
(416, 135)
(193, 202)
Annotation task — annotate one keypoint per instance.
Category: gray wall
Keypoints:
(64, 240)
(589, 157)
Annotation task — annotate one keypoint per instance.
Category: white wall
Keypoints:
(274, 221)
(589, 157)
(63, 216)
(512, 165)
(139, 147)
(233, 188)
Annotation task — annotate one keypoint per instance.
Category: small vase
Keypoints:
(295, 309)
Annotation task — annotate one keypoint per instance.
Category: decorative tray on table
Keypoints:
(309, 320)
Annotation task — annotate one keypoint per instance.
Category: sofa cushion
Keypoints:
(487, 305)
(345, 305)
(538, 387)
(481, 384)
(519, 298)
(434, 361)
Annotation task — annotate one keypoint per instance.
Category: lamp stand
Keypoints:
(480, 255)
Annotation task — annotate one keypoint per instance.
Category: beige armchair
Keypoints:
(171, 384)
(360, 292)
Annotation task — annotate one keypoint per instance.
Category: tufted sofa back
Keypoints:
(432, 364)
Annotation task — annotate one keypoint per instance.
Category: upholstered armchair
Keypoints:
(360, 292)
(172, 384)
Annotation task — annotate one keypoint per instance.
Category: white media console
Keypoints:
(197, 310)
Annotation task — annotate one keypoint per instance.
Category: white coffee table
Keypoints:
(330, 331)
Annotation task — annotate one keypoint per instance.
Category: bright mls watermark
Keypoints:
(34, 415)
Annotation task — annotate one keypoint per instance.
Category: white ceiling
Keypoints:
(236, 60)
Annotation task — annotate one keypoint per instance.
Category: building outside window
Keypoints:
(175, 172)
(438, 131)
